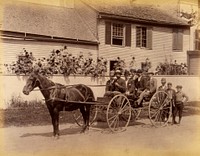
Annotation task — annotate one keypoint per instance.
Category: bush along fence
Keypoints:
(62, 62)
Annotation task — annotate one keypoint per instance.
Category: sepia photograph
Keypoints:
(99, 77)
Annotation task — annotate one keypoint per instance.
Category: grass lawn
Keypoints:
(28, 116)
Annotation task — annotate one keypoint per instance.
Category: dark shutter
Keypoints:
(196, 40)
(138, 36)
(174, 40)
(180, 40)
(108, 33)
(149, 37)
(128, 35)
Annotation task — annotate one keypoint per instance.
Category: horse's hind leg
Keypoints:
(83, 112)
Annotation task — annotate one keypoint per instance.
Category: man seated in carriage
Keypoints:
(140, 81)
(150, 89)
(131, 84)
(115, 85)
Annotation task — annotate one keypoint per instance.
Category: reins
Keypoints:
(66, 86)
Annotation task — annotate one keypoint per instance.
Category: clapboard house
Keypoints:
(128, 30)
(104, 29)
(41, 28)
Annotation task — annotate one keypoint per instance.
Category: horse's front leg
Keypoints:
(55, 122)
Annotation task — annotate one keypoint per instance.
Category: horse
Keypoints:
(58, 97)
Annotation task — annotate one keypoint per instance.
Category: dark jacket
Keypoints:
(122, 85)
(131, 86)
(110, 85)
(141, 83)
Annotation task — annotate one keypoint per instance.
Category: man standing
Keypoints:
(171, 93)
(163, 86)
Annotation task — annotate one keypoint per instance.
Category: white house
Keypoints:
(123, 29)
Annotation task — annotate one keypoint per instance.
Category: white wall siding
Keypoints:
(161, 49)
(88, 15)
(10, 90)
(11, 48)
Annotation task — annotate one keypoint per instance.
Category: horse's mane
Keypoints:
(46, 81)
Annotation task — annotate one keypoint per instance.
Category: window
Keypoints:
(177, 40)
(144, 37)
(197, 39)
(117, 34)
(141, 37)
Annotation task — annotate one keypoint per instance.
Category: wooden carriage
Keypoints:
(120, 111)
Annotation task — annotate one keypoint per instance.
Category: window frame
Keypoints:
(141, 37)
(124, 34)
(148, 39)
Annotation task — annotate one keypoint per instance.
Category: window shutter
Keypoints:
(128, 35)
(174, 41)
(149, 37)
(180, 40)
(196, 40)
(108, 33)
(138, 37)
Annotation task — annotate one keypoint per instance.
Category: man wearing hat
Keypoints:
(171, 93)
(109, 83)
(131, 82)
(180, 99)
(149, 90)
(119, 84)
(140, 81)
(163, 86)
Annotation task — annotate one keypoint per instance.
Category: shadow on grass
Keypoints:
(191, 108)
(63, 132)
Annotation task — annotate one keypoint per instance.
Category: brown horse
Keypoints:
(58, 97)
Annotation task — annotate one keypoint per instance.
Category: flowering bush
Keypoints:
(23, 65)
(59, 62)
(171, 69)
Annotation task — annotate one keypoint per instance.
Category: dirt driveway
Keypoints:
(139, 139)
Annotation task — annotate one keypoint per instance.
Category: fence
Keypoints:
(12, 86)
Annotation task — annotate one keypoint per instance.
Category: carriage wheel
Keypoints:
(136, 113)
(79, 119)
(160, 109)
(118, 113)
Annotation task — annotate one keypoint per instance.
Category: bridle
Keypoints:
(42, 87)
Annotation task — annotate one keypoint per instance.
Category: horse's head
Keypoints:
(31, 83)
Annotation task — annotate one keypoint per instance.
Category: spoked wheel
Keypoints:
(118, 113)
(136, 113)
(160, 109)
(79, 119)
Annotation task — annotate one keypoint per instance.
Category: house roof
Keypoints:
(136, 12)
(45, 20)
